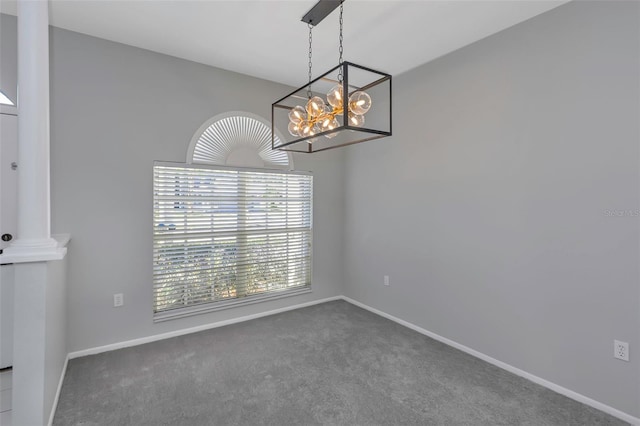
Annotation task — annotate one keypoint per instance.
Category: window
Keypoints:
(224, 236)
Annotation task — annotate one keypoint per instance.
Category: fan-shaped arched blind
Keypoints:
(238, 141)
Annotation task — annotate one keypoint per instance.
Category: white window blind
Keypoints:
(225, 236)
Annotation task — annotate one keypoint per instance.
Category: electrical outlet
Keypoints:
(118, 300)
(621, 350)
(386, 280)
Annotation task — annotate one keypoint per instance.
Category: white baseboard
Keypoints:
(54, 406)
(156, 337)
(535, 379)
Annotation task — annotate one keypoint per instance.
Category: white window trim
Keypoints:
(248, 300)
(219, 306)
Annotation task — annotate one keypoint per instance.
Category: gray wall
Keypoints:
(489, 206)
(114, 110)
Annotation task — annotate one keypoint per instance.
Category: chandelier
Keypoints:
(346, 105)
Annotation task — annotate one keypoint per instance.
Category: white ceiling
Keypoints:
(266, 39)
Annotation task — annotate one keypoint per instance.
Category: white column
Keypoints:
(39, 348)
(33, 242)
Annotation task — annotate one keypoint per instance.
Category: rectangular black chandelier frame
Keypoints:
(305, 144)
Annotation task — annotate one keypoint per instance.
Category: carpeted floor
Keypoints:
(333, 364)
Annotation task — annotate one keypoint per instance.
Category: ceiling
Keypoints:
(266, 39)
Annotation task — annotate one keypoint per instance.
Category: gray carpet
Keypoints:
(333, 364)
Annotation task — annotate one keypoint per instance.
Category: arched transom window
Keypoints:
(237, 140)
(232, 225)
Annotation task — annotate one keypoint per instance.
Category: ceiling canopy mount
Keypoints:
(321, 10)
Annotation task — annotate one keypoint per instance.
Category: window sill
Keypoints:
(218, 306)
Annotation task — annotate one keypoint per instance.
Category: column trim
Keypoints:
(54, 249)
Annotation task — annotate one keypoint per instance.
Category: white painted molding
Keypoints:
(518, 372)
(62, 239)
(54, 249)
(54, 406)
(16, 255)
(154, 338)
(203, 309)
(8, 109)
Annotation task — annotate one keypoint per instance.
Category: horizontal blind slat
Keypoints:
(222, 234)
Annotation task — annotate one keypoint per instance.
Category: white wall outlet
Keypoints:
(386, 280)
(621, 350)
(118, 300)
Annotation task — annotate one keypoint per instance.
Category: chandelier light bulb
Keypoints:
(356, 120)
(311, 129)
(326, 119)
(334, 97)
(294, 128)
(359, 102)
(297, 114)
(306, 127)
(334, 123)
(328, 112)
(330, 126)
(315, 107)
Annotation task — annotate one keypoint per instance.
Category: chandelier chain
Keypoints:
(309, 94)
(340, 48)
